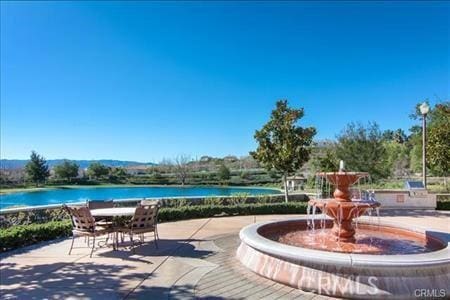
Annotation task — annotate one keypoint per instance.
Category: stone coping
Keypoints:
(251, 237)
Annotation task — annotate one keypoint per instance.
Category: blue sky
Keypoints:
(148, 80)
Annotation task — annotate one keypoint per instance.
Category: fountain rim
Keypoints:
(362, 174)
(250, 236)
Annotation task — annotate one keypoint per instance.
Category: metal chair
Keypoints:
(83, 224)
(157, 205)
(99, 204)
(143, 221)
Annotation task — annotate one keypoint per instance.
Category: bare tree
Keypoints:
(182, 167)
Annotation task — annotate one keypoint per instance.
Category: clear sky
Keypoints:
(147, 80)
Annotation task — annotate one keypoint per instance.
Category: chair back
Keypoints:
(145, 202)
(96, 204)
(144, 217)
(81, 217)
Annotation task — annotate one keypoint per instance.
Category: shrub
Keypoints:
(24, 235)
(207, 211)
(443, 202)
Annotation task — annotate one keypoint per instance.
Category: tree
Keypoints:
(362, 149)
(66, 170)
(182, 168)
(37, 169)
(397, 136)
(438, 149)
(282, 145)
(438, 144)
(97, 170)
(397, 158)
(117, 174)
(224, 173)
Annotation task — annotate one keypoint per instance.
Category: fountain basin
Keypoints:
(347, 274)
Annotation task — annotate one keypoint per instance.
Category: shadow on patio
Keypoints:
(108, 274)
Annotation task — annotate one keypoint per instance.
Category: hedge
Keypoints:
(443, 205)
(207, 211)
(24, 235)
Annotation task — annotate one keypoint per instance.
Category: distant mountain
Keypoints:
(20, 163)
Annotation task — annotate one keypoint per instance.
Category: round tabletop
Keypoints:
(113, 212)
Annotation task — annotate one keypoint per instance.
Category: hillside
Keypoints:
(6, 164)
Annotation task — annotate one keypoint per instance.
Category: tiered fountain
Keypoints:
(341, 254)
(341, 208)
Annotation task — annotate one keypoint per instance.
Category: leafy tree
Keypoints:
(282, 145)
(224, 173)
(438, 144)
(97, 170)
(437, 139)
(362, 149)
(400, 136)
(37, 169)
(117, 174)
(324, 158)
(397, 136)
(397, 158)
(66, 170)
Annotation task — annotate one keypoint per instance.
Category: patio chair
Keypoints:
(157, 204)
(143, 221)
(83, 224)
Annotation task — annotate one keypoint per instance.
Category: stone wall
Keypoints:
(403, 199)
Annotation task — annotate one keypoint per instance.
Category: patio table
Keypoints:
(113, 212)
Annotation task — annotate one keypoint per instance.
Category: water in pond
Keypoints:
(68, 195)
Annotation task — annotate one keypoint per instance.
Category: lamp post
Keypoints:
(424, 109)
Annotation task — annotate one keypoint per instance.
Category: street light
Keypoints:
(424, 109)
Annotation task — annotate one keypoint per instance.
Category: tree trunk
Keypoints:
(286, 193)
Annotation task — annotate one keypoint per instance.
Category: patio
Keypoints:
(195, 259)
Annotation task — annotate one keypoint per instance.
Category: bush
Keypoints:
(443, 202)
(207, 211)
(23, 235)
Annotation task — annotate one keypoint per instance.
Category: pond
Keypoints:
(80, 194)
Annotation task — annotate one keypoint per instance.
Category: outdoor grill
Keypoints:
(416, 189)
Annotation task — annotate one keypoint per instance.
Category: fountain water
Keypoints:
(336, 254)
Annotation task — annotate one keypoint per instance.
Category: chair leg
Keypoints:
(132, 243)
(93, 245)
(116, 241)
(71, 246)
(155, 235)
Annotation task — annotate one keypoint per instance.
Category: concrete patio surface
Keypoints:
(195, 259)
